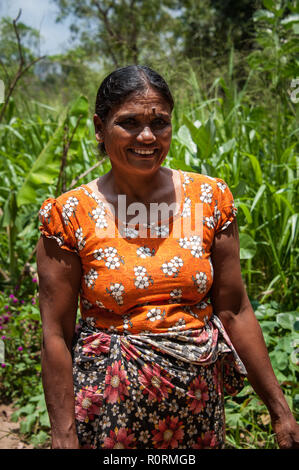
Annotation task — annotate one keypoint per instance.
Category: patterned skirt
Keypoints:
(154, 391)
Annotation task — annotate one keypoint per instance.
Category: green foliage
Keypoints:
(20, 332)
(35, 425)
(247, 418)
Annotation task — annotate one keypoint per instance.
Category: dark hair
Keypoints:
(117, 86)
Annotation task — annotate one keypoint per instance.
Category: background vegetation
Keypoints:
(232, 66)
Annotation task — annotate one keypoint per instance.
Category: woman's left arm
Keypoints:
(232, 306)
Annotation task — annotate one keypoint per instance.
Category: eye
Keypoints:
(127, 123)
(159, 123)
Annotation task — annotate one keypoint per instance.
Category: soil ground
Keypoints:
(10, 432)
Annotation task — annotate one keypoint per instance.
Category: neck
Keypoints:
(138, 187)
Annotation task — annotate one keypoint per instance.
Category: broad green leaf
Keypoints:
(290, 19)
(227, 146)
(47, 165)
(27, 425)
(45, 169)
(263, 15)
(79, 107)
(295, 28)
(247, 246)
(184, 137)
(279, 359)
(287, 320)
(202, 136)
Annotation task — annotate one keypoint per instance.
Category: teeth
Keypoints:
(144, 152)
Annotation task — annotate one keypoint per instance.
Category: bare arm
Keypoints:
(59, 274)
(231, 304)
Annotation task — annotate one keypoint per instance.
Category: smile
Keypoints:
(143, 152)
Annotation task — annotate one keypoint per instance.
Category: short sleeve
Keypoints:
(224, 210)
(56, 224)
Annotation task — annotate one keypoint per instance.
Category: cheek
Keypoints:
(165, 137)
(115, 140)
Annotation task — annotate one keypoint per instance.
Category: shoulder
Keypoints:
(72, 196)
(200, 181)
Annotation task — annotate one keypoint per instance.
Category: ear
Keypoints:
(99, 128)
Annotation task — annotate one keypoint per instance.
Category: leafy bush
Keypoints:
(247, 418)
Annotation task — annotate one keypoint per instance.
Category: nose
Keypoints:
(146, 135)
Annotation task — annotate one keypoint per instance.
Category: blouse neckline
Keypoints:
(111, 215)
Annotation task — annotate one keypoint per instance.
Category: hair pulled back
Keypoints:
(124, 81)
(117, 86)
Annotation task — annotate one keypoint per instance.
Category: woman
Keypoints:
(165, 323)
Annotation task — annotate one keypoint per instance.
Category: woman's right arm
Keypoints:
(59, 273)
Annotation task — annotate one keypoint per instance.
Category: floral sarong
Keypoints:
(154, 391)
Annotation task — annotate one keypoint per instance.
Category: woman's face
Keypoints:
(137, 133)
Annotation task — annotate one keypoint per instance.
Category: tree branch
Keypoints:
(22, 61)
(21, 69)
(75, 181)
(66, 146)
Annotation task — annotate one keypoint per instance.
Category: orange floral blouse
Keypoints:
(133, 281)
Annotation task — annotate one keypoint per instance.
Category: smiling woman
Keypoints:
(138, 134)
(166, 325)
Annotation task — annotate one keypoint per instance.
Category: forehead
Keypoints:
(148, 101)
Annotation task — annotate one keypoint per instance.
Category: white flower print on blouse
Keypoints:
(186, 212)
(160, 231)
(200, 281)
(90, 321)
(127, 321)
(58, 237)
(69, 208)
(90, 278)
(209, 222)
(194, 244)
(155, 314)
(86, 304)
(110, 255)
(129, 232)
(234, 209)
(221, 186)
(99, 215)
(172, 267)
(45, 211)
(81, 241)
(206, 193)
(116, 291)
(184, 243)
(99, 254)
(179, 325)
(142, 280)
(112, 263)
(145, 252)
(100, 304)
(212, 267)
(176, 296)
(188, 309)
(187, 180)
(202, 305)
(217, 214)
